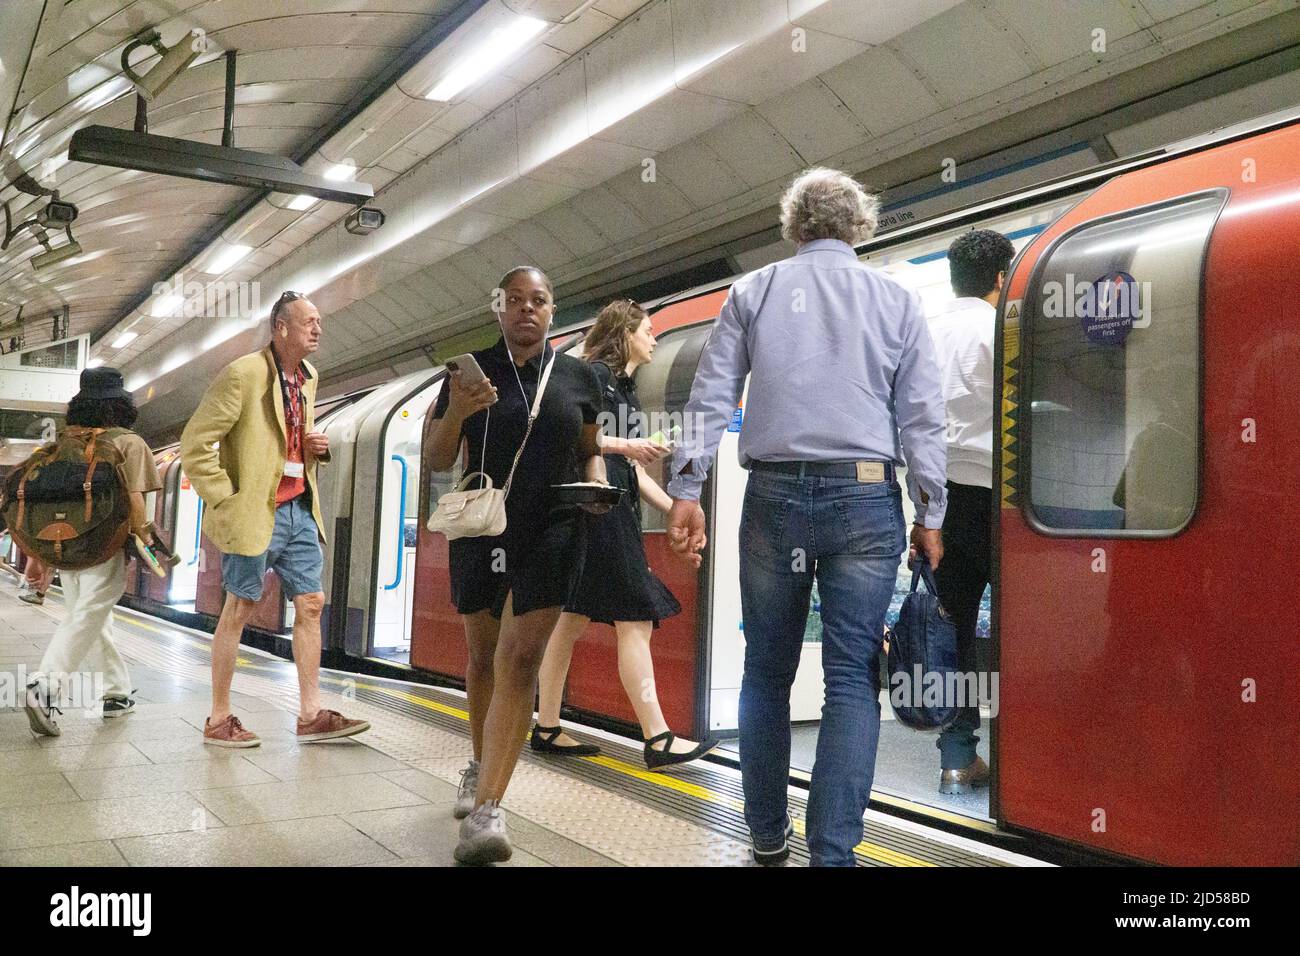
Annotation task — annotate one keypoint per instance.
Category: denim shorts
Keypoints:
(294, 554)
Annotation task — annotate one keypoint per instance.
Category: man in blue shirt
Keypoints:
(843, 387)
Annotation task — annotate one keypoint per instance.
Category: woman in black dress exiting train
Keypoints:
(617, 586)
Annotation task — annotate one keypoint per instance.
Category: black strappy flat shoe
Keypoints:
(543, 742)
(659, 759)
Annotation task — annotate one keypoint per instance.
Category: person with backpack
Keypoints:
(101, 412)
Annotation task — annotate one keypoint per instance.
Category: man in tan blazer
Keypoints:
(251, 453)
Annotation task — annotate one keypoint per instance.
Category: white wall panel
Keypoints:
(813, 121)
(881, 90)
(539, 245)
(630, 67)
(766, 67)
(468, 226)
(458, 284)
(706, 33)
(700, 175)
(1071, 25)
(480, 273)
(868, 21)
(572, 37)
(489, 154)
(500, 254)
(552, 117)
(751, 147)
(988, 56)
(620, 8)
(613, 217)
(669, 120)
(524, 197)
(1166, 9)
(658, 202)
(590, 162)
(433, 292)
(571, 229)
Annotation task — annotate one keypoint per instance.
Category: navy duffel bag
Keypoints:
(922, 658)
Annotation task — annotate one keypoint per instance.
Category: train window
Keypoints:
(1112, 338)
(663, 387)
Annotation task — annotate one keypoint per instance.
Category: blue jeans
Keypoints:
(294, 553)
(849, 536)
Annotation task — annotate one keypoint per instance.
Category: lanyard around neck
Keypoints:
(532, 414)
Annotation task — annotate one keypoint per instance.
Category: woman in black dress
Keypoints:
(618, 586)
(511, 588)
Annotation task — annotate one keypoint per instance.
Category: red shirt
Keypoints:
(291, 387)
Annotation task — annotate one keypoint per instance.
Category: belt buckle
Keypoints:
(870, 472)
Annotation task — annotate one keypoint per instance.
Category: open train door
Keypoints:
(1149, 343)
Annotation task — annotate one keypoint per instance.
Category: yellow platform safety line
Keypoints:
(871, 850)
(239, 661)
(874, 851)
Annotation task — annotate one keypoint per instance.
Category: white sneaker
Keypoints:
(40, 711)
(465, 792)
(483, 836)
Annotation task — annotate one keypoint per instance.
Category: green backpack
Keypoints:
(68, 504)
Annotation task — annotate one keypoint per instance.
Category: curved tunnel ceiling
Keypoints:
(545, 161)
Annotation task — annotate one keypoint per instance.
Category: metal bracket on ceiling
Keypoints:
(228, 117)
(141, 114)
(11, 231)
(60, 329)
(228, 113)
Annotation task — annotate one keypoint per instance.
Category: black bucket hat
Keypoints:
(101, 384)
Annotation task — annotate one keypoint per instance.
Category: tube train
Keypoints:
(1147, 700)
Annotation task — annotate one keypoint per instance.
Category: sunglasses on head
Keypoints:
(285, 299)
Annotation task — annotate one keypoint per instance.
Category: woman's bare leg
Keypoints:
(555, 671)
(481, 631)
(636, 670)
(521, 644)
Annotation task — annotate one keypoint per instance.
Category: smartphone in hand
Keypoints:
(470, 371)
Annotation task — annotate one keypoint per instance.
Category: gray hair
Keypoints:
(828, 204)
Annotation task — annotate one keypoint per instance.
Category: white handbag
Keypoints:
(462, 513)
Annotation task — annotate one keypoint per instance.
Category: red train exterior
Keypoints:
(1126, 721)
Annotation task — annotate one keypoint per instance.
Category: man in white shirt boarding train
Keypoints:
(843, 387)
(963, 340)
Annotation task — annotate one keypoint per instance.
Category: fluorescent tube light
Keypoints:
(501, 44)
(227, 259)
(167, 305)
(123, 340)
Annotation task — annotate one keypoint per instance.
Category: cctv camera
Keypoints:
(51, 257)
(364, 221)
(175, 60)
(57, 215)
